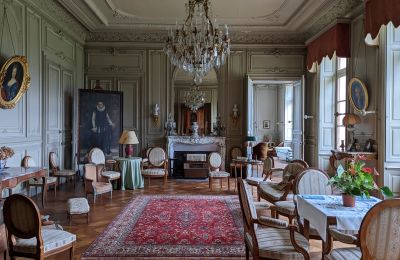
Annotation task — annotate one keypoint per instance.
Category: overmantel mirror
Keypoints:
(184, 97)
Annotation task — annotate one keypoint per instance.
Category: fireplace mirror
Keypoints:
(206, 115)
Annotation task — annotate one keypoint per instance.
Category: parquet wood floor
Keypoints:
(107, 209)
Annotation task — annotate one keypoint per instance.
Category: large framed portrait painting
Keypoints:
(100, 122)
(358, 94)
(14, 81)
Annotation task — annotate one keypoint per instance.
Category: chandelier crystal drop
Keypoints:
(195, 99)
(198, 45)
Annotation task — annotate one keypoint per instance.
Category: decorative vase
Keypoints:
(348, 200)
(3, 164)
(195, 129)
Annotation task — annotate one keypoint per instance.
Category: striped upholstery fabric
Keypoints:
(111, 174)
(271, 189)
(286, 207)
(275, 243)
(254, 180)
(154, 172)
(157, 156)
(218, 174)
(52, 239)
(215, 160)
(313, 182)
(64, 173)
(350, 253)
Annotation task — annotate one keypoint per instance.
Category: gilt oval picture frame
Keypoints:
(358, 94)
(14, 81)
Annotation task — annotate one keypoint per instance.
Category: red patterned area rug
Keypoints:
(174, 227)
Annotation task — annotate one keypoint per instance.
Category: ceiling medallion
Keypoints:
(194, 99)
(198, 45)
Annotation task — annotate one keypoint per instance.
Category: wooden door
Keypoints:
(67, 104)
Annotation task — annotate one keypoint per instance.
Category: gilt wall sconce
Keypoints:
(235, 114)
(155, 113)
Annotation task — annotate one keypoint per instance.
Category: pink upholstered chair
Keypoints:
(95, 183)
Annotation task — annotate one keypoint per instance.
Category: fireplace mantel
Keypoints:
(206, 143)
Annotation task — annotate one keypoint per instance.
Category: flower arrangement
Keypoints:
(357, 180)
(6, 152)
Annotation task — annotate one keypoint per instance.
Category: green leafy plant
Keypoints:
(357, 180)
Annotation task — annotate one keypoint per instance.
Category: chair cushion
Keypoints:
(270, 190)
(218, 174)
(39, 181)
(347, 253)
(64, 173)
(101, 187)
(275, 243)
(111, 174)
(255, 181)
(78, 206)
(154, 172)
(52, 239)
(286, 207)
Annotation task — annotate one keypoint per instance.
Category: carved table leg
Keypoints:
(44, 191)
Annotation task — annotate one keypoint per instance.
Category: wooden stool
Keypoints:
(78, 206)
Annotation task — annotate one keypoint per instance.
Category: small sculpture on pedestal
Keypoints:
(170, 125)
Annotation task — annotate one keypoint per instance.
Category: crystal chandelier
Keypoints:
(195, 99)
(197, 46)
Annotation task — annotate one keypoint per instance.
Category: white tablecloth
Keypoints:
(317, 208)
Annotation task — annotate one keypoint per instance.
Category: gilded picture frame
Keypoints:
(358, 94)
(14, 81)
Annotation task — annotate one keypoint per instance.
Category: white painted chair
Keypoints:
(214, 165)
(156, 165)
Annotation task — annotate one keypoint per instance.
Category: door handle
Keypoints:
(308, 117)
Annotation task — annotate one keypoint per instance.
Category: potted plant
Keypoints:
(356, 180)
(5, 153)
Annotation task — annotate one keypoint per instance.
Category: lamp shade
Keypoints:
(250, 138)
(128, 137)
(351, 120)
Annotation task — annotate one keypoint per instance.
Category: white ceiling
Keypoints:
(242, 16)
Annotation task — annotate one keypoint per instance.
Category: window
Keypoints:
(288, 112)
(341, 98)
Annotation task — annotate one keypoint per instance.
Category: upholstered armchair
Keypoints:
(25, 235)
(274, 192)
(378, 237)
(145, 157)
(57, 172)
(95, 182)
(268, 238)
(28, 161)
(96, 156)
(156, 166)
(268, 167)
(214, 164)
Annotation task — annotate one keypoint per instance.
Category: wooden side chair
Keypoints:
(234, 167)
(378, 237)
(25, 235)
(268, 238)
(28, 161)
(157, 165)
(268, 165)
(96, 156)
(95, 183)
(214, 164)
(57, 172)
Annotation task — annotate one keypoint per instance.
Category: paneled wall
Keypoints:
(42, 121)
(149, 68)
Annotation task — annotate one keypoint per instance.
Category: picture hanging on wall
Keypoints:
(266, 124)
(358, 94)
(14, 81)
(100, 122)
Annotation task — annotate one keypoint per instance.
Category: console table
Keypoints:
(12, 176)
(338, 155)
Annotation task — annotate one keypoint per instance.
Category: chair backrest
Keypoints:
(380, 231)
(22, 218)
(28, 161)
(269, 163)
(236, 152)
(301, 162)
(312, 181)
(291, 170)
(53, 161)
(214, 160)
(96, 156)
(157, 156)
(249, 211)
(93, 171)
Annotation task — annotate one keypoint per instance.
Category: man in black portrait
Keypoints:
(102, 127)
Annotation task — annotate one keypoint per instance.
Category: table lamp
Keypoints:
(349, 121)
(129, 138)
(250, 139)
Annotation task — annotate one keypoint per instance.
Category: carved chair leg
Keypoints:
(71, 252)
(87, 218)
(247, 252)
(220, 183)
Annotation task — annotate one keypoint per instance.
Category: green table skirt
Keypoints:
(131, 176)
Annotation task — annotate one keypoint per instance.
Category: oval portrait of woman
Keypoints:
(14, 81)
(358, 94)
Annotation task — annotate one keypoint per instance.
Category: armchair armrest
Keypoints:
(270, 172)
(342, 237)
(272, 222)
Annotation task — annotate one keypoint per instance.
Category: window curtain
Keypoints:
(336, 39)
(378, 13)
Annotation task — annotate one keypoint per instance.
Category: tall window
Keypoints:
(341, 96)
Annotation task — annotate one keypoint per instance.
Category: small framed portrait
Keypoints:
(358, 94)
(14, 81)
(266, 124)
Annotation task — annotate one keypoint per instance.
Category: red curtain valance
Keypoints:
(381, 12)
(336, 39)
